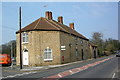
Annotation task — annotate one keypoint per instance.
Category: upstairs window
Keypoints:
(48, 54)
(81, 41)
(25, 37)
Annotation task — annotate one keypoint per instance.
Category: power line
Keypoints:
(25, 17)
(8, 27)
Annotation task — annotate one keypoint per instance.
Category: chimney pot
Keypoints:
(48, 15)
(71, 25)
(60, 19)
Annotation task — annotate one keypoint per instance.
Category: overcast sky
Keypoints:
(88, 17)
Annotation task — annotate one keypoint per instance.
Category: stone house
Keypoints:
(93, 50)
(49, 42)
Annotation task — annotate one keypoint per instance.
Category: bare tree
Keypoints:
(97, 39)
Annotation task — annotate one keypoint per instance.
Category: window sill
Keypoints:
(24, 42)
(48, 59)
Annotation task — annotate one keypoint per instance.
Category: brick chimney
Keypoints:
(60, 19)
(48, 15)
(71, 25)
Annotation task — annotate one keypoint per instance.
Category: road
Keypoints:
(107, 67)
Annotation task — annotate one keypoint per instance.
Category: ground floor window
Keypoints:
(48, 54)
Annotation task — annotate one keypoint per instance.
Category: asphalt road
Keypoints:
(107, 69)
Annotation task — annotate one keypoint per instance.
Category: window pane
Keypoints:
(26, 38)
(49, 55)
(23, 39)
(49, 50)
(45, 55)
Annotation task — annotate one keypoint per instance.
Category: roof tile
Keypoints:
(44, 24)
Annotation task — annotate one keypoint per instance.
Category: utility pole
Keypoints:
(20, 38)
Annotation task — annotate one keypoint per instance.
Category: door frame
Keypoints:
(82, 54)
(25, 56)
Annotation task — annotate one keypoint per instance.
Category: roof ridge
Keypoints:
(59, 25)
(51, 24)
(80, 34)
(37, 23)
(75, 31)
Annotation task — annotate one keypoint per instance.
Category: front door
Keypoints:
(25, 57)
(82, 55)
(94, 54)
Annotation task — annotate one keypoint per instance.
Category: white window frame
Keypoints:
(25, 36)
(47, 51)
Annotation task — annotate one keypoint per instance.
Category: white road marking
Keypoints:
(70, 71)
(59, 75)
(113, 75)
(10, 76)
(79, 69)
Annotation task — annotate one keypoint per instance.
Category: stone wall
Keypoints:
(74, 46)
(38, 42)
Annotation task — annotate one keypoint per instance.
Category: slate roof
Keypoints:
(43, 24)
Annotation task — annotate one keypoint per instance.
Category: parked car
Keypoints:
(5, 59)
(118, 54)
